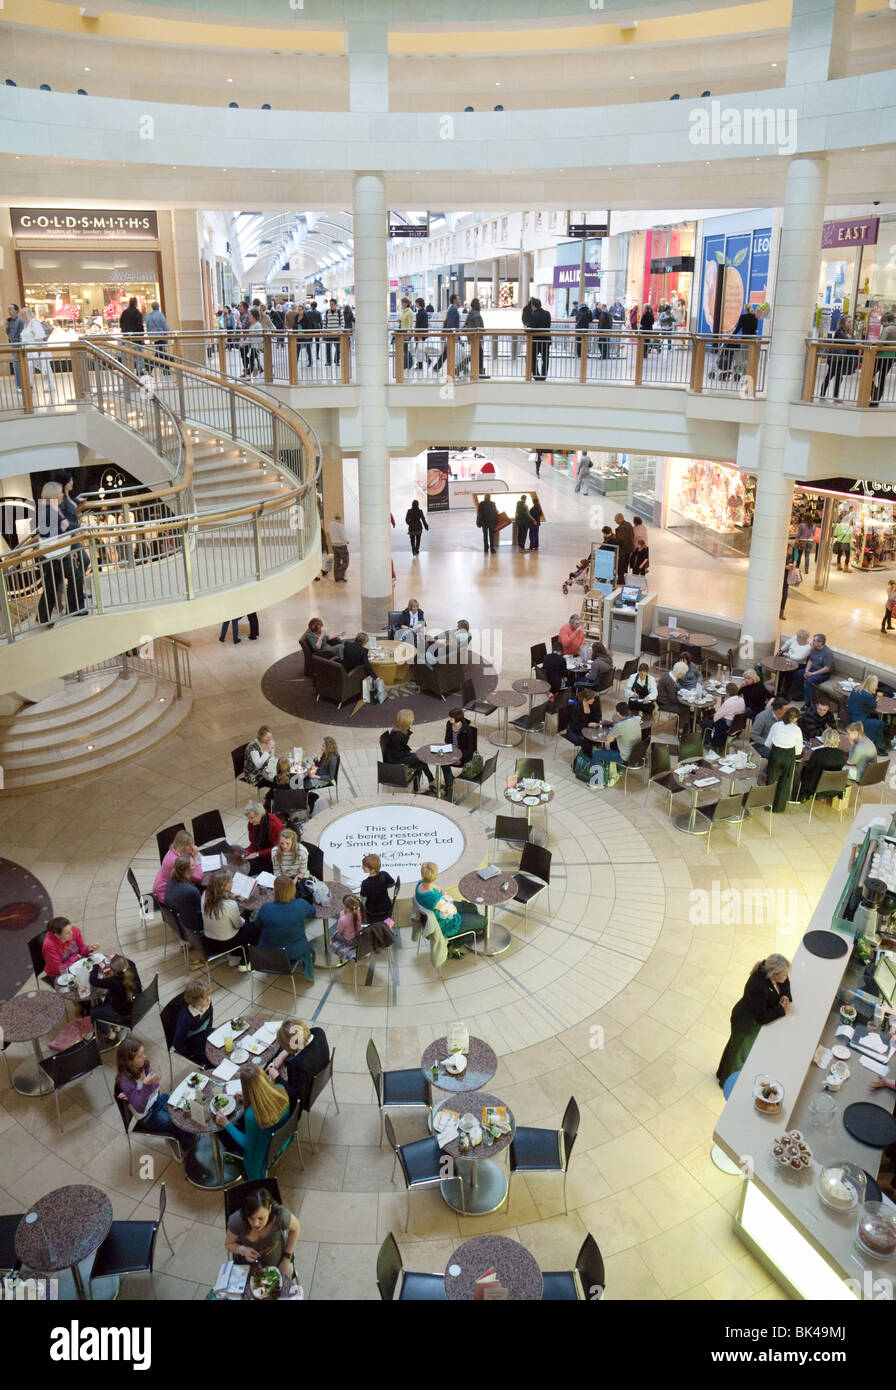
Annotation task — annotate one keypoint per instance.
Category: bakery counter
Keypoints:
(809, 1247)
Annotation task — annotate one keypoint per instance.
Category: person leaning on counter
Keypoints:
(766, 997)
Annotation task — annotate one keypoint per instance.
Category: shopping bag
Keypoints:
(794, 578)
(326, 563)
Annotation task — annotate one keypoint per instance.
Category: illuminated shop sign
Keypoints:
(120, 224)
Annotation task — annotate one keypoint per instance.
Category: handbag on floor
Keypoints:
(373, 690)
(583, 769)
(472, 767)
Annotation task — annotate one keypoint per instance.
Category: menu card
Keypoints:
(225, 1070)
(231, 1280)
(264, 879)
(489, 1286)
(458, 1038)
(210, 862)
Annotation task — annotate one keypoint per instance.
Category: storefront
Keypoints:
(710, 504)
(869, 506)
(79, 267)
(844, 276)
(660, 265)
(737, 269)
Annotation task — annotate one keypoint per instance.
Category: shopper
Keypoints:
(536, 517)
(889, 607)
(605, 324)
(474, 320)
(640, 560)
(487, 521)
(416, 523)
(421, 324)
(840, 363)
(585, 466)
(405, 324)
(766, 997)
(234, 624)
(450, 325)
(625, 539)
(521, 521)
(339, 542)
(843, 537)
(157, 328)
(884, 357)
(14, 326)
(584, 319)
(333, 324)
(633, 319)
(538, 457)
(534, 318)
(789, 569)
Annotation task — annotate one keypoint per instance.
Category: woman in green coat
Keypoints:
(766, 997)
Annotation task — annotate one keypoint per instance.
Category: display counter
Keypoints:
(808, 1247)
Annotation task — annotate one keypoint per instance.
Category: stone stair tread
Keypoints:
(75, 693)
(104, 741)
(141, 741)
(131, 697)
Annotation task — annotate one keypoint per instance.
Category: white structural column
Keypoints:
(368, 59)
(370, 227)
(818, 48)
(794, 301)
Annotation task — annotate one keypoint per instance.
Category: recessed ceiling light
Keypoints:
(774, 65)
(497, 84)
(230, 79)
(90, 747)
(18, 156)
(631, 77)
(87, 69)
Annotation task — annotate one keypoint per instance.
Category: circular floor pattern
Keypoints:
(581, 947)
(25, 910)
(286, 686)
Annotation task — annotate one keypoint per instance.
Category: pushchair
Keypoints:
(579, 576)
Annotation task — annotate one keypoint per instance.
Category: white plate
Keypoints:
(64, 980)
(515, 796)
(239, 1055)
(531, 800)
(456, 1063)
(841, 1053)
(546, 787)
(256, 1048)
(227, 1109)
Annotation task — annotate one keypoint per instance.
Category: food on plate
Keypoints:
(877, 1234)
(266, 1281)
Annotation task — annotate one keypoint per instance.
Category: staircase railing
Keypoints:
(164, 658)
(146, 554)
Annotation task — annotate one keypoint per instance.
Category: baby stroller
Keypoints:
(578, 576)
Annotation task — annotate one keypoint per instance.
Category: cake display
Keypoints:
(876, 1231)
(791, 1154)
(841, 1186)
(767, 1095)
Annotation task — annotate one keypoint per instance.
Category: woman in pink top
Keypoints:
(572, 635)
(640, 530)
(62, 946)
(182, 844)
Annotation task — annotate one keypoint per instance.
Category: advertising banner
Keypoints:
(734, 289)
(711, 282)
(437, 471)
(759, 261)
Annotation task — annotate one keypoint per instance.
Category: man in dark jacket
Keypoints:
(605, 324)
(314, 322)
(421, 324)
(625, 539)
(451, 325)
(487, 520)
(584, 318)
(354, 654)
(534, 317)
(303, 325)
(460, 732)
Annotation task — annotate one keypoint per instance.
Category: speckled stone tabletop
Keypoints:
(543, 798)
(426, 755)
(482, 1063)
(779, 663)
(531, 687)
(471, 1103)
(491, 890)
(517, 1269)
(30, 1015)
(259, 896)
(216, 1055)
(506, 699)
(72, 1223)
(184, 1120)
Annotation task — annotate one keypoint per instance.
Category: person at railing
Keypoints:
(421, 322)
(14, 326)
(252, 362)
(647, 320)
(667, 324)
(605, 324)
(584, 318)
(405, 324)
(884, 357)
(474, 320)
(625, 539)
(68, 508)
(130, 322)
(57, 569)
(617, 314)
(333, 324)
(535, 317)
(156, 325)
(839, 363)
(536, 517)
(450, 325)
(33, 335)
(633, 319)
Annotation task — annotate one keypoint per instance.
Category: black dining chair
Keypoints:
(533, 877)
(9, 1260)
(627, 669)
(129, 1120)
(832, 784)
(874, 775)
(169, 1016)
(545, 1150)
(661, 774)
(729, 809)
(273, 960)
(141, 1004)
(405, 1089)
(473, 704)
(315, 859)
(172, 922)
(760, 799)
(394, 775)
(489, 769)
(165, 838)
(318, 1085)
(736, 731)
(238, 760)
(415, 1287)
(207, 828)
(281, 1139)
(530, 767)
(690, 747)
(65, 1068)
(130, 1246)
(38, 964)
(146, 904)
(584, 1284)
(537, 654)
(513, 830)
(210, 952)
(421, 1166)
(288, 803)
(637, 761)
(235, 1196)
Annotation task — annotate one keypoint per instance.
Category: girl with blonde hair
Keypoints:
(398, 750)
(289, 857)
(267, 1107)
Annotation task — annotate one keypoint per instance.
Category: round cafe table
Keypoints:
(544, 797)
(516, 1267)
(482, 1063)
(206, 1165)
(779, 664)
(506, 700)
(392, 660)
(688, 821)
(666, 633)
(438, 761)
(484, 1181)
(489, 893)
(886, 704)
(705, 703)
(26, 1018)
(700, 639)
(531, 687)
(63, 1229)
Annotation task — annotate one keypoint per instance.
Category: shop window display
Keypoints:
(645, 485)
(711, 505)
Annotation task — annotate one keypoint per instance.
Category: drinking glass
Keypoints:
(822, 1109)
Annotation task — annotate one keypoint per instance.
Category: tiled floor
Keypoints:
(619, 994)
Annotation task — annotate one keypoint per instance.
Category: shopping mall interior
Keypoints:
(614, 1026)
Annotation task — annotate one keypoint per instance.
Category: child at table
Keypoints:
(345, 937)
(138, 1085)
(120, 980)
